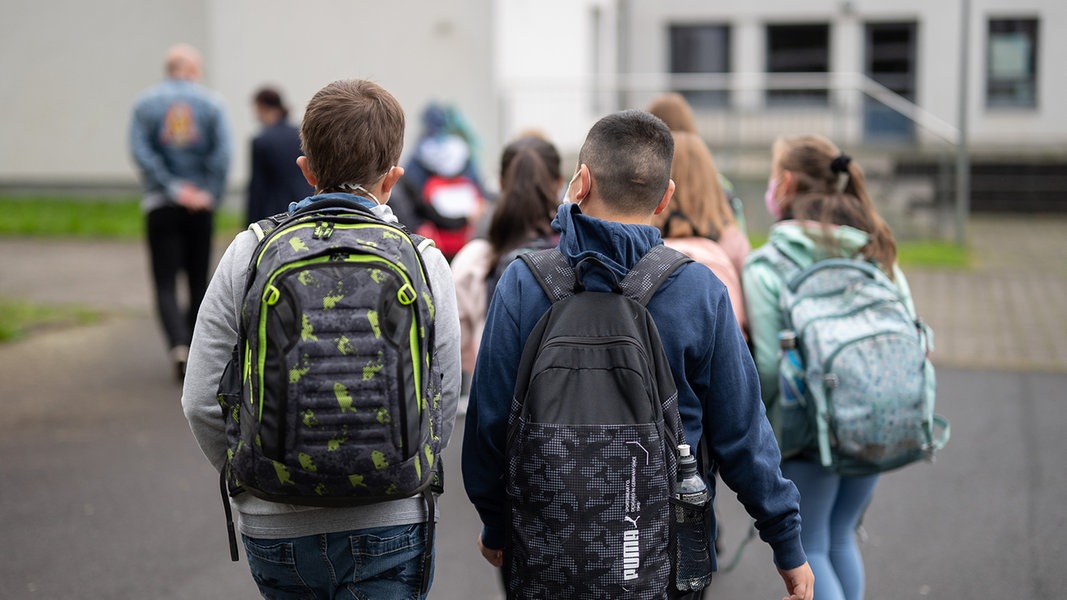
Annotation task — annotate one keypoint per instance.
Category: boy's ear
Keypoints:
(302, 162)
(585, 182)
(667, 195)
(391, 177)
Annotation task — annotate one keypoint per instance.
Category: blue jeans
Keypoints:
(383, 563)
(830, 509)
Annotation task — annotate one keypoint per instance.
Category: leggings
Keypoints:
(830, 509)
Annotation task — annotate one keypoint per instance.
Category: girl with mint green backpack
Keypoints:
(827, 228)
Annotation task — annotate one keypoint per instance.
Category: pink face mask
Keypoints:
(770, 200)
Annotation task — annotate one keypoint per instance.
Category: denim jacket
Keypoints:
(179, 134)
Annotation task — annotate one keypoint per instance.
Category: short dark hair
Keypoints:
(629, 155)
(544, 148)
(269, 97)
(352, 132)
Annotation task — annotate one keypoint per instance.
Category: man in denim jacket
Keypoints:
(180, 140)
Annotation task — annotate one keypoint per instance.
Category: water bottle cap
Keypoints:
(683, 449)
(787, 338)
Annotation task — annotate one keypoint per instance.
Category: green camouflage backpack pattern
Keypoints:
(332, 397)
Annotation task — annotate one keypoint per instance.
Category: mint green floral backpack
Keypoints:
(861, 399)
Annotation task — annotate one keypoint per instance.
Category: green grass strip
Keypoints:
(20, 317)
(109, 218)
(914, 253)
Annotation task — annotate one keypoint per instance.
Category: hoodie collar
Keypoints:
(806, 242)
(382, 211)
(618, 246)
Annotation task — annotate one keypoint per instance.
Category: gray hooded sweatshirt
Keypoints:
(213, 341)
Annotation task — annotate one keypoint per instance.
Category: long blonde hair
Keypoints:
(831, 189)
(698, 207)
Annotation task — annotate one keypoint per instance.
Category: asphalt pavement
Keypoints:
(105, 494)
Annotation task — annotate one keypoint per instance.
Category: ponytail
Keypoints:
(832, 189)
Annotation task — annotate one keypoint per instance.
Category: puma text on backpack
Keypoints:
(592, 431)
(332, 395)
(868, 386)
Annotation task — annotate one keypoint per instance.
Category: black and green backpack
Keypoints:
(332, 396)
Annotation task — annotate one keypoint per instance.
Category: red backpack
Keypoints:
(451, 207)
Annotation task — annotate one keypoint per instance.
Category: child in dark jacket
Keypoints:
(622, 180)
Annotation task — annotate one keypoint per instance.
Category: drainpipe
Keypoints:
(622, 49)
(963, 162)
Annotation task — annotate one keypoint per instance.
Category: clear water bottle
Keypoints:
(692, 503)
(790, 369)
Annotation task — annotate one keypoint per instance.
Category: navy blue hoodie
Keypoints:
(718, 388)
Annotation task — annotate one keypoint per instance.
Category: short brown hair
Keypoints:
(352, 133)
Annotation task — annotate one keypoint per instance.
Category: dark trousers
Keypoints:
(179, 241)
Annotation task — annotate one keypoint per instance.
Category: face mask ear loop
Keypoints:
(359, 188)
(577, 174)
(372, 196)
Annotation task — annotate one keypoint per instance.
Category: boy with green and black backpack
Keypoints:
(323, 376)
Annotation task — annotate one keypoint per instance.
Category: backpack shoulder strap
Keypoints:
(552, 271)
(785, 266)
(642, 282)
(264, 226)
(558, 279)
(421, 243)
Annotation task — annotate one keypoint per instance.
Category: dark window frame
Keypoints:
(787, 55)
(1019, 91)
(680, 59)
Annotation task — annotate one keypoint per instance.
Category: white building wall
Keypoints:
(418, 51)
(71, 69)
(1045, 125)
(552, 58)
(939, 26)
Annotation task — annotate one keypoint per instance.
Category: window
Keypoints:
(798, 49)
(891, 61)
(1011, 70)
(701, 49)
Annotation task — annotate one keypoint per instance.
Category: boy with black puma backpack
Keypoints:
(567, 448)
(332, 338)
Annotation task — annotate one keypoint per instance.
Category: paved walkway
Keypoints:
(139, 505)
(1010, 310)
(1007, 312)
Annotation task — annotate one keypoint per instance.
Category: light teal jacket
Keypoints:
(805, 242)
